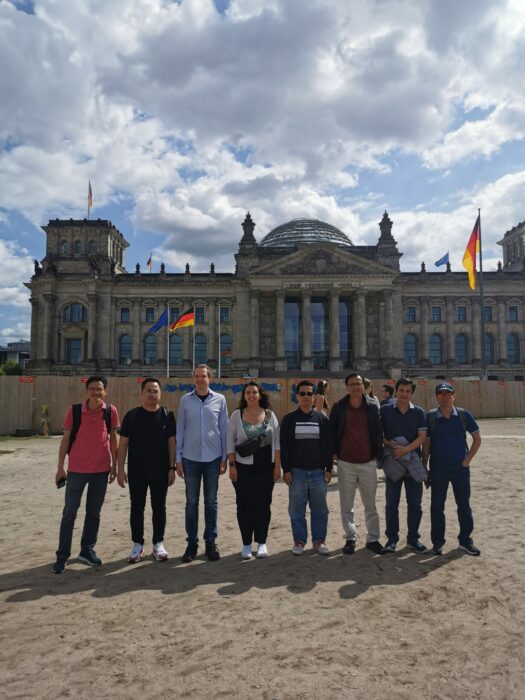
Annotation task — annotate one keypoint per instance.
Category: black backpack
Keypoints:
(77, 419)
(431, 418)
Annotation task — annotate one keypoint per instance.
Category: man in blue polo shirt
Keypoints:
(402, 418)
(450, 460)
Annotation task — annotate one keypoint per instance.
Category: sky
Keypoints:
(185, 115)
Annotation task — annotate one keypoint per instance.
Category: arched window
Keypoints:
(175, 350)
(411, 354)
(513, 348)
(461, 348)
(489, 349)
(226, 350)
(92, 247)
(150, 349)
(436, 349)
(201, 349)
(75, 313)
(64, 247)
(78, 247)
(125, 347)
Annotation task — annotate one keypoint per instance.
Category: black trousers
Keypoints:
(138, 489)
(254, 487)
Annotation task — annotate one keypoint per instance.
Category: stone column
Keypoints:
(91, 349)
(36, 350)
(397, 327)
(449, 351)
(280, 359)
(423, 326)
(213, 337)
(334, 354)
(254, 328)
(502, 335)
(49, 326)
(475, 349)
(385, 331)
(137, 335)
(307, 364)
(361, 325)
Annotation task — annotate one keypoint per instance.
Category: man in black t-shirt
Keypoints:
(149, 433)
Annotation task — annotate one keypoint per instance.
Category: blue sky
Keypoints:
(185, 115)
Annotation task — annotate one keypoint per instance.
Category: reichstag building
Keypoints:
(304, 300)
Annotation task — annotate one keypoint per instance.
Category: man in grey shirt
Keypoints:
(202, 425)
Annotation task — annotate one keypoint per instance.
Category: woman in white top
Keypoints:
(253, 476)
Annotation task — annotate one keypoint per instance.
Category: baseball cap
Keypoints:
(445, 386)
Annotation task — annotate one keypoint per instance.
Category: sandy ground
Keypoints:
(362, 626)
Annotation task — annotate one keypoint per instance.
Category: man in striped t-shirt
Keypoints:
(306, 458)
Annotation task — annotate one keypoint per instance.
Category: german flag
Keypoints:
(469, 258)
(185, 319)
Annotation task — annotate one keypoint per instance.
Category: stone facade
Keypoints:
(89, 313)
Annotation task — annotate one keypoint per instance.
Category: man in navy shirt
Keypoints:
(402, 418)
(450, 461)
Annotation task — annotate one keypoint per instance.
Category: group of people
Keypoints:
(358, 434)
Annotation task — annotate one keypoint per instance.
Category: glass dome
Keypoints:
(301, 231)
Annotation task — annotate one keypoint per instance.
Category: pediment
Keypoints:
(322, 259)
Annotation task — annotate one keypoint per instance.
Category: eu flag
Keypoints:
(442, 261)
(163, 321)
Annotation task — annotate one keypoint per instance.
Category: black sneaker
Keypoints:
(437, 550)
(89, 557)
(390, 546)
(469, 548)
(212, 551)
(376, 547)
(349, 547)
(418, 547)
(59, 566)
(190, 553)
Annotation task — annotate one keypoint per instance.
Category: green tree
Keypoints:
(11, 367)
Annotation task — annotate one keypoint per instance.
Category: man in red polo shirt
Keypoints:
(92, 456)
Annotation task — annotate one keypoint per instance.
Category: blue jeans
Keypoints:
(414, 494)
(308, 487)
(460, 480)
(96, 492)
(208, 472)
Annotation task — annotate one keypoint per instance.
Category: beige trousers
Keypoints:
(352, 476)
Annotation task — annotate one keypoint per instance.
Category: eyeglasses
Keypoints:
(305, 393)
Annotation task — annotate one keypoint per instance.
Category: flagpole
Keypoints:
(482, 305)
(168, 345)
(89, 187)
(219, 365)
(194, 324)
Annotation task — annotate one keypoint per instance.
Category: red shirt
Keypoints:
(355, 443)
(90, 452)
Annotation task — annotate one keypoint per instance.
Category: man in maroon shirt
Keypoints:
(357, 436)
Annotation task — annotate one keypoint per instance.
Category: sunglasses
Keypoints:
(305, 393)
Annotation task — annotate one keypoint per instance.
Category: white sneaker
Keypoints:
(136, 553)
(321, 548)
(298, 548)
(246, 551)
(262, 551)
(159, 552)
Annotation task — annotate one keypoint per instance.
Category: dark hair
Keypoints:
(203, 366)
(389, 389)
(149, 380)
(264, 401)
(322, 385)
(368, 386)
(97, 378)
(351, 376)
(403, 381)
(304, 382)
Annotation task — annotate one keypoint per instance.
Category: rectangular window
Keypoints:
(124, 314)
(174, 313)
(513, 313)
(435, 314)
(224, 314)
(150, 314)
(461, 314)
(73, 350)
(410, 314)
(487, 313)
(199, 314)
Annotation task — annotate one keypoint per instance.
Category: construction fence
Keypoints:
(26, 401)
